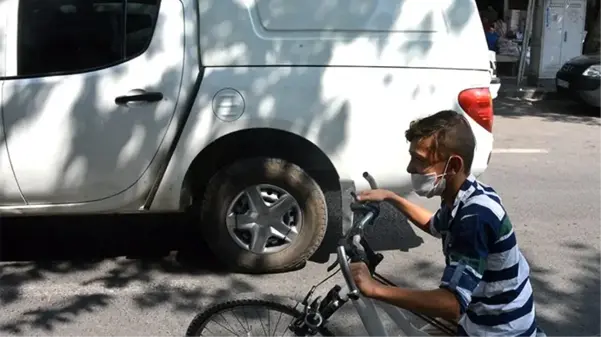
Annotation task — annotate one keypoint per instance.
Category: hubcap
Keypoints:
(264, 219)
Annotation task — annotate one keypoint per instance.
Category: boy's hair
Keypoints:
(452, 135)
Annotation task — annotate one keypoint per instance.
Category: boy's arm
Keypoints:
(434, 303)
(419, 216)
(460, 278)
(467, 258)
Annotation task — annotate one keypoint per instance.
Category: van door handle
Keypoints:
(565, 36)
(139, 96)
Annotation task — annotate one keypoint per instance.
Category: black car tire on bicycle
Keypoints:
(200, 322)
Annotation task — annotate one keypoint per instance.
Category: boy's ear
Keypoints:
(456, 164)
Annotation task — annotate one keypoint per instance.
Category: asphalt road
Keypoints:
(546, 169)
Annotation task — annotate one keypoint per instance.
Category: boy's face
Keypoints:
(424, 158)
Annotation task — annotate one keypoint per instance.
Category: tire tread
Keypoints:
(270, 166)
(199, 320)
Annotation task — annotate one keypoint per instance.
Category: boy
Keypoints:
(485, 286)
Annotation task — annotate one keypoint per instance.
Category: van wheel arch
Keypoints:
(268, 143)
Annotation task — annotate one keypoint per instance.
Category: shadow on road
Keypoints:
(156, 247)
(85, 238)
(390, 232)
(56, 248)
(50, 248)
(556, 110)
(580, 310)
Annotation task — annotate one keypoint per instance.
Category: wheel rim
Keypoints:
(264, 219)
(249, 320)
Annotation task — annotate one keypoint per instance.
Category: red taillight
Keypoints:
(477, 103)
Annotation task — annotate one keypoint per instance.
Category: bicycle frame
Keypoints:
(366, 308)
(352, 247)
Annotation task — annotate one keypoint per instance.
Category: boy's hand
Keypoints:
(375, 195)
(366, 284)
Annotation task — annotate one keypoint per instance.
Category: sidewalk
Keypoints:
(545, 90)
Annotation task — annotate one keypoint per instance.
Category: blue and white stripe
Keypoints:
(496, 300)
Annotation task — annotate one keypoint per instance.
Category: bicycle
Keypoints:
(315, 315)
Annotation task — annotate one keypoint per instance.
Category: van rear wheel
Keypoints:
(263, 215)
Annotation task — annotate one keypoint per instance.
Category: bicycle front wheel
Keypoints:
(246, 317)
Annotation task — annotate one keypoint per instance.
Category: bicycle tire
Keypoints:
(199, 322)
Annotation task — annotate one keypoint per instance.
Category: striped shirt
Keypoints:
(484, 266)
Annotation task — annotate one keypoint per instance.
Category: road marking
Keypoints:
(520, 151)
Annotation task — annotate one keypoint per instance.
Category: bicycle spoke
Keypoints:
(260, 321)
(287, 325)
(249, 312)
(268, 322)
(210, 333)
(242, 325)
(277, 323)
(224, 326)
(227, 322)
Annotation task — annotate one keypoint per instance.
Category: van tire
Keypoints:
(226, 185)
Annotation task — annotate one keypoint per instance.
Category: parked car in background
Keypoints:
(580, 79)
(257, 116)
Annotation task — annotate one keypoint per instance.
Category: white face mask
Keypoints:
(429, 185)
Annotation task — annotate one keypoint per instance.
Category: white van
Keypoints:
(222, 106)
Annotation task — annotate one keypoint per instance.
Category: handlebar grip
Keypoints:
(358, 253)
(370, 180)
(359, 256)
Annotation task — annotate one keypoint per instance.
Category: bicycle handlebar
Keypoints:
(358, 249)
(370, 180)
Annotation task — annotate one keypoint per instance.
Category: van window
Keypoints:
(67, 36)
